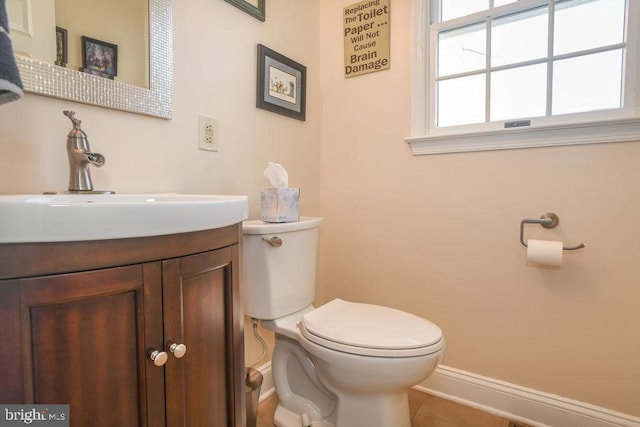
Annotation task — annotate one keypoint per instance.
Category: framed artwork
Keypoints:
(99, 58)
(61, 47)
(252, 7)
(281, 84)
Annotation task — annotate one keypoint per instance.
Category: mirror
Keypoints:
(44, 78)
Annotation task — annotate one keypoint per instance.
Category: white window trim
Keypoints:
(609, 128)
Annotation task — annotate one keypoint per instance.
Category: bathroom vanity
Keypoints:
(143, 331)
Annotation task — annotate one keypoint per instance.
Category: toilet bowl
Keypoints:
(342, 364)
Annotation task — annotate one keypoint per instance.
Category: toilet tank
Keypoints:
(279, 279)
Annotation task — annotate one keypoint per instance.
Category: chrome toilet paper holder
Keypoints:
(547, 220)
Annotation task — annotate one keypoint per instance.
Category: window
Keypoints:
(492, 69)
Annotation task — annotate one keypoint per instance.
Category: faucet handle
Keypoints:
(71, 114)
(96, 159)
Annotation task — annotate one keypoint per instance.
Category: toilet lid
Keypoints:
(370, 330)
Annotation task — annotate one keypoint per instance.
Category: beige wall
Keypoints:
(438, 236)
(433, 235)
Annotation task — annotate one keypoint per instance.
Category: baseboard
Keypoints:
(503, 399)
(267, 388)
(519, 403)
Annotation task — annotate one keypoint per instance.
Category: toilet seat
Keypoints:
(370, 330)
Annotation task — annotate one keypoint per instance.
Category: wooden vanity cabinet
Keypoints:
(80, 321)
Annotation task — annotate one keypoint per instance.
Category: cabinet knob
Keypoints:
(159, 357)
(178, 350)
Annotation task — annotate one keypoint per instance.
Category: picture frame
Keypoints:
(281, 84)
(61, 47)
(255, 8)
(99, 57)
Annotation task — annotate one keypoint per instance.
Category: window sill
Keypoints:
(620, 130)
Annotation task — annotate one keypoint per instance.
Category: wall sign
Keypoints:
(366, 37)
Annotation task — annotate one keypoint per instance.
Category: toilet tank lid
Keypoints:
(370, 326)
(257, 226)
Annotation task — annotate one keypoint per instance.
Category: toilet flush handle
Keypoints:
(274, 241)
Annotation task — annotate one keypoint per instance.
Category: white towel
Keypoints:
(10, 82)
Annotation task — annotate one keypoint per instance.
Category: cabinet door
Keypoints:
(85, 339)
(200, 386)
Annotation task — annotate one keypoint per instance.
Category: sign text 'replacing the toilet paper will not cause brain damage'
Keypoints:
(366, 37)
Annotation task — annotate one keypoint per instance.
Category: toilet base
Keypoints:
(357, 411)
(373, 410)
(286, 418)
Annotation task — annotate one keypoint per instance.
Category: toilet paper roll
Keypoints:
(544, 252)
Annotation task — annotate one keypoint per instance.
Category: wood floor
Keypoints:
(426, 411)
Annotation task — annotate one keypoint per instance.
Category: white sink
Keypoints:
(71, 217)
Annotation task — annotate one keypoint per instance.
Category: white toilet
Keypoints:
(342, 364)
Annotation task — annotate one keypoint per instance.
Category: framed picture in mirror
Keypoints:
(252, 7)
(61, 47)
(99, 57)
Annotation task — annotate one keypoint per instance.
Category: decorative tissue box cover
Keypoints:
(280, 204)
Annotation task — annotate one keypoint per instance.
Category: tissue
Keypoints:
(544, 252)
(276, 175)
(279, 202)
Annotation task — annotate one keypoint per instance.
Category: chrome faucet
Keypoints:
(80, 157)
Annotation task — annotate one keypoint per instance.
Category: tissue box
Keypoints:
(280, 204)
